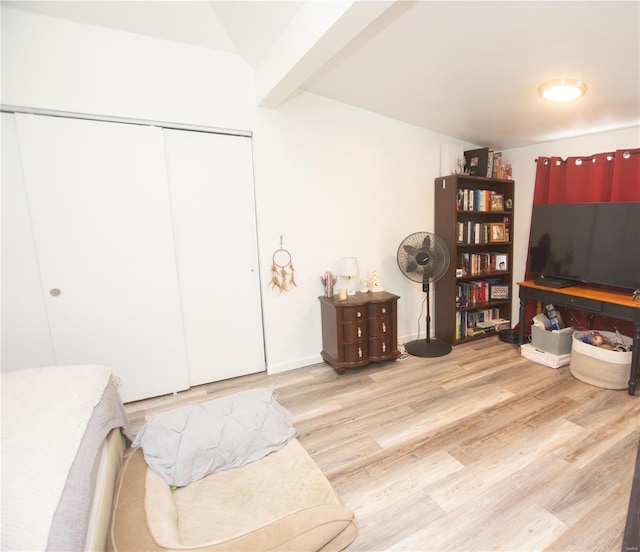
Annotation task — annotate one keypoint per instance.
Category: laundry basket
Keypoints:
(600, 367)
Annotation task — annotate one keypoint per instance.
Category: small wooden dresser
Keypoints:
(359, 330)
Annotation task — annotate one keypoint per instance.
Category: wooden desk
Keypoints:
(592, 300)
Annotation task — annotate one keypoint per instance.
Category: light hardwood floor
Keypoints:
(478, 450)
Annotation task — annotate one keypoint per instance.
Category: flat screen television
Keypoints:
(591, 243)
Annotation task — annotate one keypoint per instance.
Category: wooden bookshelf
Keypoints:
(474, 218)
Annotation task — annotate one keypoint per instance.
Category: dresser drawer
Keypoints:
(381, 348)
(355, 353)
(376, 310)
(379, 327)
(354, 331)
(351, 314)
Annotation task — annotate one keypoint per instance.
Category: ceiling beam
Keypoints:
(317, 32)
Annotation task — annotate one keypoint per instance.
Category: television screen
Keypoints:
(594, 243)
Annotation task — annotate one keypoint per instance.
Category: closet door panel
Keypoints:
(213, 206)
(26, 341)
(99, 202)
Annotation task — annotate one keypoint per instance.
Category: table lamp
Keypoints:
(348, 269)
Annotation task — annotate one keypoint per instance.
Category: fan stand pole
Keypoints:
(429, 348)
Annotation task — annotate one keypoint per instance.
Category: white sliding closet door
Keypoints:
(26, 340)
(99, 204)
(213, 206)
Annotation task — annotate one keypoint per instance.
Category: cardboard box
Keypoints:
(547, 359)
(556, 342)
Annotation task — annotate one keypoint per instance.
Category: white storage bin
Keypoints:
(556, 342)
(600, 367)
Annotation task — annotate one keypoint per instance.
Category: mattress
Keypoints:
(54, 422)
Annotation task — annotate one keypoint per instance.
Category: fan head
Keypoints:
(423, 257)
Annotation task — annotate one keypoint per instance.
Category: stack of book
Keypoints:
(481, 263)
(488, 163)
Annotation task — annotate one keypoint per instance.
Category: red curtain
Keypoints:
(603, 177)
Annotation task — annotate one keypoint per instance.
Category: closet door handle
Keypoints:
(55, 292)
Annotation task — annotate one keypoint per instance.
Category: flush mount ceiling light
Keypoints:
(562, 90)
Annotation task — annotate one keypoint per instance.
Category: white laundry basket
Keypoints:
(598, 366)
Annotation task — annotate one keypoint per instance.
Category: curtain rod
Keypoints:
(108, 119)
(627, 153)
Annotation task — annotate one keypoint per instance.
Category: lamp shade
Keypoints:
(349, 267)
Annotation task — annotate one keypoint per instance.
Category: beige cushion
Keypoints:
(281, 502)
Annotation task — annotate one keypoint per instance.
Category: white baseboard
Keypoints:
(293, 364)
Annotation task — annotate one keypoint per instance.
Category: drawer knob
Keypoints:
(384, 311)
(359, 332)
(359, 352)
(359, 315)
(384, 327)
(384, 347)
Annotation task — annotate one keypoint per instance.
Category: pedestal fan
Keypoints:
(424, 258)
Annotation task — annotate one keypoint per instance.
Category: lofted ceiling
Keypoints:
(467, 69)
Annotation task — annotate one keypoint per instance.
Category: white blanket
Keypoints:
(45, 412)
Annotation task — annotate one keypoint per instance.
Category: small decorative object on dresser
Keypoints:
(376, 282)
(328, 281)
(365, 285)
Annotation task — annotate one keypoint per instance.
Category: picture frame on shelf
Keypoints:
(501, 262)
(498, 292)
(498, 232)
(497, 202)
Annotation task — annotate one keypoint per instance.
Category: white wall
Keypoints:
(332, 179)
(338, 181)
(524, 174)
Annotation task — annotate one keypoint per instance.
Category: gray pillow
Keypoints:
(186, 444)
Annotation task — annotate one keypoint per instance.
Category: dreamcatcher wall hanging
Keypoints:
(282, 271)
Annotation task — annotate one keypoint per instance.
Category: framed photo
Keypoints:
(497, 202)
(499, 292)
(498, 232)
(502, 263)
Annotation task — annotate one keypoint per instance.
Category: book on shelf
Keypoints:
(477, 200)
(477, 161)
(487, 163)
(473, 232)
(470, 323)
(481, 291)
(496, 169)
(495, 323)
(476, 264)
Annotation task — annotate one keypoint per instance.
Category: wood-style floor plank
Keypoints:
(479, 450)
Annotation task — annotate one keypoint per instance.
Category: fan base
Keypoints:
(509, 336)
(428, 349)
